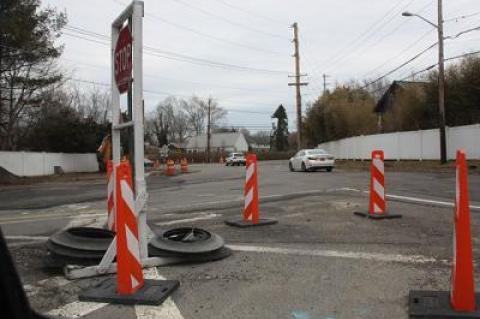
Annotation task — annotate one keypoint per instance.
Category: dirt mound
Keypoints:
(6, 177)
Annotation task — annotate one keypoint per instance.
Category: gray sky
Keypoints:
(346, 39)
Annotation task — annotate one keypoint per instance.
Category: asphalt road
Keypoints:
(319, 261)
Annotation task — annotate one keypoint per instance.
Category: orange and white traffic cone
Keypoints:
(462, 282)
(460, 302)
(184, 165)
(251, 213)
(110, 197)
(377, 207)
(170, 170)
(129, 268)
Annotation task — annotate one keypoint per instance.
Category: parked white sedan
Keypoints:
(311, 160)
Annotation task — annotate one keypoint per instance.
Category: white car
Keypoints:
(235, 159)
(311, 160)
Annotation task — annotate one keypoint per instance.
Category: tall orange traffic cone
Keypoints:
(463, 288)
(129, 269)
(251, 213)
(461, 301)
(170, 169)
(377, 207)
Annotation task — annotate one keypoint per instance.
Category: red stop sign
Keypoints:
(123, 60)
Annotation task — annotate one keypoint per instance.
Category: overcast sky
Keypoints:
(346, 39)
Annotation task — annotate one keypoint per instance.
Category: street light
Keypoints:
(441, 77)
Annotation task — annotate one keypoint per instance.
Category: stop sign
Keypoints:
(123, 60)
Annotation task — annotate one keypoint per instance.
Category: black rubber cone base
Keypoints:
(247, 223)
(153, 293)
(436, 304)
(377, 216)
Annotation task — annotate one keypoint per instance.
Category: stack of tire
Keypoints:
(188, 245)
(86, 246)
(79, 246)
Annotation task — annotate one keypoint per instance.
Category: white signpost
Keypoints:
(127, 68)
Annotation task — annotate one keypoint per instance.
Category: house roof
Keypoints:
(387, 100)
(217, 140)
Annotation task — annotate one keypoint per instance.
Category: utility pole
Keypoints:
(325, 76)
(441, 86)
(297, 84)
(209, 135)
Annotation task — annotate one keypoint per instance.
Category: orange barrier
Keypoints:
(170, 170)
(184, 165)
(251, 213)
(377, 206)
(110, 197)
(462, 286)
(129, 268)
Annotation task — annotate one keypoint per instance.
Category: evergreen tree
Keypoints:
(27, 62)
(280, 134)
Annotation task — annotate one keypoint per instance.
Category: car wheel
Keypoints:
(329, 169)
(304, 168)
(290, 166)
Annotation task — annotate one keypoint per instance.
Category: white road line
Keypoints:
(76, 309)
(414, 259)
(168, 309)
(428, 201)
(188, 220)
(32, 238)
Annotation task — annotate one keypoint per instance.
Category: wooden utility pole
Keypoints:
(441, 86)
(209, 135)
(325, 76)
(297, 84)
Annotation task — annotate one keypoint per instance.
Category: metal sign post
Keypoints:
(127, 75)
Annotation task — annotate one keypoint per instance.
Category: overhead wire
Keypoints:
(228, 21)
(173, 55)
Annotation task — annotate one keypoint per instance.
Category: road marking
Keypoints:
(168, 309)
(76, 309)
(39, 238)
(428, 201)
(188, 220)
(414, 259)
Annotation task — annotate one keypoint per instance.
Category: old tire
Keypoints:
(187, 240)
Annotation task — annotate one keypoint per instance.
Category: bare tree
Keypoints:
(196, 112)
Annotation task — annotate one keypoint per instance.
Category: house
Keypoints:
(389, 101)
(219, 142)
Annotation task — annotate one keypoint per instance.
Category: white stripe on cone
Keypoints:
(250, 171)
(127, 195)
(379, 189)
(132, 243)
(378, 163)
(248, 198)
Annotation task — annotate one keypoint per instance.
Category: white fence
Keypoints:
(411, 145)
(41, 163)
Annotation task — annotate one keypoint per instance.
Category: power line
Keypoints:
(175, 56)
(209, 36)
(401, 65)
(364, 47)
(163, 93)
(226, 20)
(266, 18)
(457, 18)
(400, 54)
(365, 35)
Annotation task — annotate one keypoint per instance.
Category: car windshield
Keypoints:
(316, 152)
